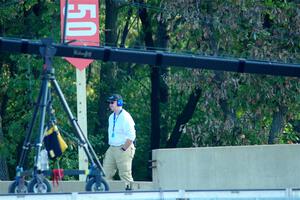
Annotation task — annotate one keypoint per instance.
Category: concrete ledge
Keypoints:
(228, 167)
(79, 186)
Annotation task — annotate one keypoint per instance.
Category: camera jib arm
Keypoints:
(155, 58)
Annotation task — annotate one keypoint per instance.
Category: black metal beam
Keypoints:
(151, 57)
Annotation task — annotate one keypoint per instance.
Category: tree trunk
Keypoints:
(107, 72)
(3, 164)
(111, 13)
(295, 124)
(155, 113)
(3, 105)
(229, 113)
(277, 124)
(126, 28)
(162, 43)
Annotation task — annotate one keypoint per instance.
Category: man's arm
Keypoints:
(130, 131)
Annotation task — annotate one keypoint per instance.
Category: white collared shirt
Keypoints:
(120, 128)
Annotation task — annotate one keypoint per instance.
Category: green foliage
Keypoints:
(248, 29)
(289, 135)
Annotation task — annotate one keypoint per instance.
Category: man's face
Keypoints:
(113, 105)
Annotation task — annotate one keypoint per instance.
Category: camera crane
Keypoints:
(155, 58)
(47, 49)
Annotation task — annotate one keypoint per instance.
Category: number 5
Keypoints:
(83, 9)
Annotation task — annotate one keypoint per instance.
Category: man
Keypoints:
(121, 134)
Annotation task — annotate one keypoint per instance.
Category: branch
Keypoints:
(183, 118)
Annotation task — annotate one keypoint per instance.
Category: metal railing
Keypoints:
(167, 195)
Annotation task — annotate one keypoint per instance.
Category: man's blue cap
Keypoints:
(114, 97)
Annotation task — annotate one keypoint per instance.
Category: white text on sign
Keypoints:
(79, 24)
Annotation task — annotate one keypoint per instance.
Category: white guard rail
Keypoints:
(167, 195)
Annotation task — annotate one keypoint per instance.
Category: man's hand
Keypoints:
(126, 145)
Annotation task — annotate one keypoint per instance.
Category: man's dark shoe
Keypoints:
(128, 188)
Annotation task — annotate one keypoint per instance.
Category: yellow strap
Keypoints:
(51, 130)
(63, 145)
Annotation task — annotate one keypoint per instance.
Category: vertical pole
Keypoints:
(43, 105)
(155, 114)
(26, 144)
(82, 117)
(65, 22)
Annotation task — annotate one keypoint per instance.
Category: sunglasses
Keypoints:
(111, 102)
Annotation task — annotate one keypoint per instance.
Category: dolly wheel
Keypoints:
(91, 185)
(18, 188)
(39, 187)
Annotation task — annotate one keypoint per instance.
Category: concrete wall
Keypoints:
(212, 168)
(238, 167)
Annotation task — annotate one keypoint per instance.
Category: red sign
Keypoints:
(82, 26)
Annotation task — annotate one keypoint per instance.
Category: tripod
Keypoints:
(39, 184)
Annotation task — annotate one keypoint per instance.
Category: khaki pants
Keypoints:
(117, 159)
